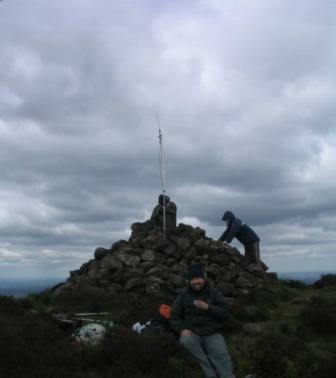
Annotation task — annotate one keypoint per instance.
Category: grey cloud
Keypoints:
(245, 94)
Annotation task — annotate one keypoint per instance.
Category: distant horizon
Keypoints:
(330, 271)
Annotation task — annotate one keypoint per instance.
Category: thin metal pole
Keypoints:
(162, 176)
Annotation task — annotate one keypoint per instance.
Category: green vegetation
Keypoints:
(297, 340)
(33, 346)
(281, 330)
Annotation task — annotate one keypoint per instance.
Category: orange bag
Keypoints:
(165, 310)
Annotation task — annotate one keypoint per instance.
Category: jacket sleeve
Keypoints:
(176, 316)
(224, 234)
(218, 308)
(231, 232)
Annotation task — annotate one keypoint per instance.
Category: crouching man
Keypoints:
(197, 316)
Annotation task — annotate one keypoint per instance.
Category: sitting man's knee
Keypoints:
(187, 340)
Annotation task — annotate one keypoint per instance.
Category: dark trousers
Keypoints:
(252, 253)
(212, 354)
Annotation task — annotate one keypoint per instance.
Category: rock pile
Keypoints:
(147, 264)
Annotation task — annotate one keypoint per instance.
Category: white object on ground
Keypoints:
(91, 334)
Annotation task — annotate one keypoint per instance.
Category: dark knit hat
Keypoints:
(196, 271)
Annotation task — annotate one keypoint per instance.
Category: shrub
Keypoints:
(320, 316)
(40, 300)
(282, 355)
(295, 284)
(326, 280)
(33, 346)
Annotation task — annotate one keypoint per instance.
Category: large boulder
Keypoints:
(128, 260)
(100, 253)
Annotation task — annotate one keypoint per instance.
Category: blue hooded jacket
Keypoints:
(239, 230)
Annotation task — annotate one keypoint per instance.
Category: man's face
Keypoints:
(197, 283)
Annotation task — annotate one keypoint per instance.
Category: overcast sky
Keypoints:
(246, 94)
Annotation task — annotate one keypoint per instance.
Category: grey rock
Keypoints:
(183, 243)
(171, 261)
(62, 291)
(83, 283)
(118, 245)
(213, 249)
(94, 269)
(153, 279)
(148, 255)
(147, 265)
(170, 250)
(223, 260)
(84, 268)
(103, 283)
(256, 270)
(245, 281)
(183, 265)
(232, 266)
(102, 274)
(191, 254)
(74, 275)
(177, 254)
(90, 291)
(129, 260)
(202, 245)
(129, 250)
(100, 253)
(110, 262)
(139, 227)
(213, 270)
(228, 276)
(132, 273)
(161, 245)
(198, 233)
(132, 283)
(175, 268)
(159, 272)
(153, 289)
(154, 271)
(176, 280)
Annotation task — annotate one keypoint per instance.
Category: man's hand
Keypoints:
(186, 332)
(201, 305)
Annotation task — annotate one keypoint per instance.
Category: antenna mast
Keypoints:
(162, 175)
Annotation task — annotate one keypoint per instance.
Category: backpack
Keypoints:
(159, 324)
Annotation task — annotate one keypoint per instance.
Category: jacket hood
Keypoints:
(229, 216)
(163, 199)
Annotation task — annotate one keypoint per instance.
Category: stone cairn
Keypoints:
(147, 264)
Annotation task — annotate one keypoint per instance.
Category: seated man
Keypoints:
(197, 316)
(157, 215)
(245, 234)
